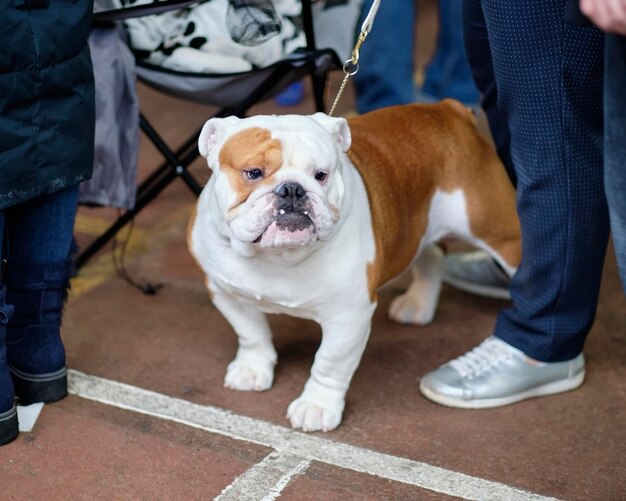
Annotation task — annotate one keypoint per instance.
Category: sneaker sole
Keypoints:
(477, 289)
(488, 403)
(31, 388)
(9, 428)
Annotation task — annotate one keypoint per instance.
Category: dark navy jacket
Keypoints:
(46, 97)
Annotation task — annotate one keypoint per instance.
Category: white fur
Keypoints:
(448, 216)
(325, 281)
(418, 304)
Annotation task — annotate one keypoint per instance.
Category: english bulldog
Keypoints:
(311, 215)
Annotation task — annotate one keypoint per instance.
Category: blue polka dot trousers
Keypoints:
(549, 85)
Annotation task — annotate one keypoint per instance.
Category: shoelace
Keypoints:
(489, 353)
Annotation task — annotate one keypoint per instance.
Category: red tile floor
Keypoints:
(149, 418)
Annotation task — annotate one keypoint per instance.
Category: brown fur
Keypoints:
(251, 148)
(404, 154)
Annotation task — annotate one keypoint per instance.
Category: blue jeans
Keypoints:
(448, 74)
(385, 77)
(549, 86)
(615, 144)
(37, 235)
(40, 230)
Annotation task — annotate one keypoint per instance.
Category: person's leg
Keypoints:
(8, 412)
(39, 236)
(549, 79)
(481, 66)
(448, 74)
(385, 76)
(435, 70)
(615, 144)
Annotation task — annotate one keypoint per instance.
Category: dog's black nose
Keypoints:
(290, 196)
(290, 190)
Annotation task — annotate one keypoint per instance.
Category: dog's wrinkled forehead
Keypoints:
(317, 136)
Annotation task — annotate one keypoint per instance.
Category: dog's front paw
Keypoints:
(311, 416)
(245, 375)
(406, 309)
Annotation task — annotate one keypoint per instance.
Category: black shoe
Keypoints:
(8, 425)
(35, 352)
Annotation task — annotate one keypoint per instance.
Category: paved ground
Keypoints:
(148, 417)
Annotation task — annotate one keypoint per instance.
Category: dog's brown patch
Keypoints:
(490, 199)
(404, 154)
(399, 186)
(489, 194)
(251, 148)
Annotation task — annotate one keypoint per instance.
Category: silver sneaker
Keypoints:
(495, 374)
(476, 272)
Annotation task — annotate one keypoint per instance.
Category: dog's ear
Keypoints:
(338, 127)
(212, 136)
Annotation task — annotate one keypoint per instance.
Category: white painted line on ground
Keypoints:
(310, 447)
(277, 489)
(265, 480)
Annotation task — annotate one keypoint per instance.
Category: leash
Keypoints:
(351, 66)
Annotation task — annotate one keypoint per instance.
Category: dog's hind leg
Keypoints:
(419, 303)
(253, 367)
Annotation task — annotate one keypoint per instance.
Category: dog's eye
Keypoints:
(320, 175)
(254, 174)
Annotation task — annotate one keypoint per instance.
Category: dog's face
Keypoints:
(278, 179)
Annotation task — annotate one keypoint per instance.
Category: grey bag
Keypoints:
(117, 128)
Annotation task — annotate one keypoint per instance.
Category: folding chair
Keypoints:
(255, 86)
